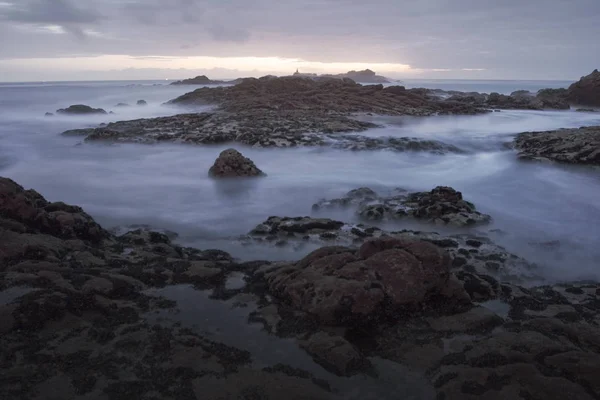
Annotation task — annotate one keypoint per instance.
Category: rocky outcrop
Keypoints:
(586, 91)
(232, 164)
(324, 95)
(441, 206)
(199, 80)
(142, 103)
(342, 287)
(574, 146)
(364, 76)
(81, 316)
(80, 109)
(519, 100)
(473, 255)
(269, 129)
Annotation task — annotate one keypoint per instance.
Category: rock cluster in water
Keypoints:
(575, 146)
(441, 206)
(80, 109)
(199, 80)
(232, 164)
(76, 314)
(267, 129)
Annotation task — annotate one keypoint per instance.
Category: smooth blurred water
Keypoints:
(167, 186)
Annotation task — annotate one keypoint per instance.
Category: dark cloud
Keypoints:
(508, 38)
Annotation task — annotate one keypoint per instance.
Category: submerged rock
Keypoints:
(79, 109)
(442, 206)
(231, 163)
(574, 146)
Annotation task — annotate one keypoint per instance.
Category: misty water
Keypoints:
(167, 187)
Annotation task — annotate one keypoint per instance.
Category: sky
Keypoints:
(174, 39)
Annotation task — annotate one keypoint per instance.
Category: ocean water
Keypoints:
(166, 186)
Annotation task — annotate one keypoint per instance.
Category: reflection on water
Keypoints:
(224, 322)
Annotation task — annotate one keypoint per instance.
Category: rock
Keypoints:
(142, 103)
(365, 76)
(98, 285)
(80, 109)
(49, 114)
(340, 286)
(312, 96)
(32, 210)
(586, 91)
(122, 105)
(199, 80)
(442, 205)
(335, 354)
(231, 163)
(574, 146)
(252, 128)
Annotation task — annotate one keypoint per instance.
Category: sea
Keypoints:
(167, 186)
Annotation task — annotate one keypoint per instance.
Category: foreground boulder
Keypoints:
(341, 286)
(573, 146)
(231, 164)
(586, 91)
(80, 109)
(442, 206)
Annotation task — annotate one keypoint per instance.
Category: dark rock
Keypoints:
(442, 205)
(586, 91)
(49, 114)
(79, 109)
(340, 286)
(122, 105)
(335, 354)
(231, 163)
(141, 103)
(574, 146)
(199, 80)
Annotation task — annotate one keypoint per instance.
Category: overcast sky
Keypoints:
(147, 39)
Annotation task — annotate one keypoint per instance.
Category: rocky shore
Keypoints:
(574, 146)
(264, 129)
(446, 317)
(304, 111)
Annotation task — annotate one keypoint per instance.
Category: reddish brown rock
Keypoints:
(231, 164)
(341, 286)
(30, 209)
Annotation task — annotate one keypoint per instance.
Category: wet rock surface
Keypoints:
(573, 146)
(231, 164)
(270, 129)
(77, 306)
(441, 206)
